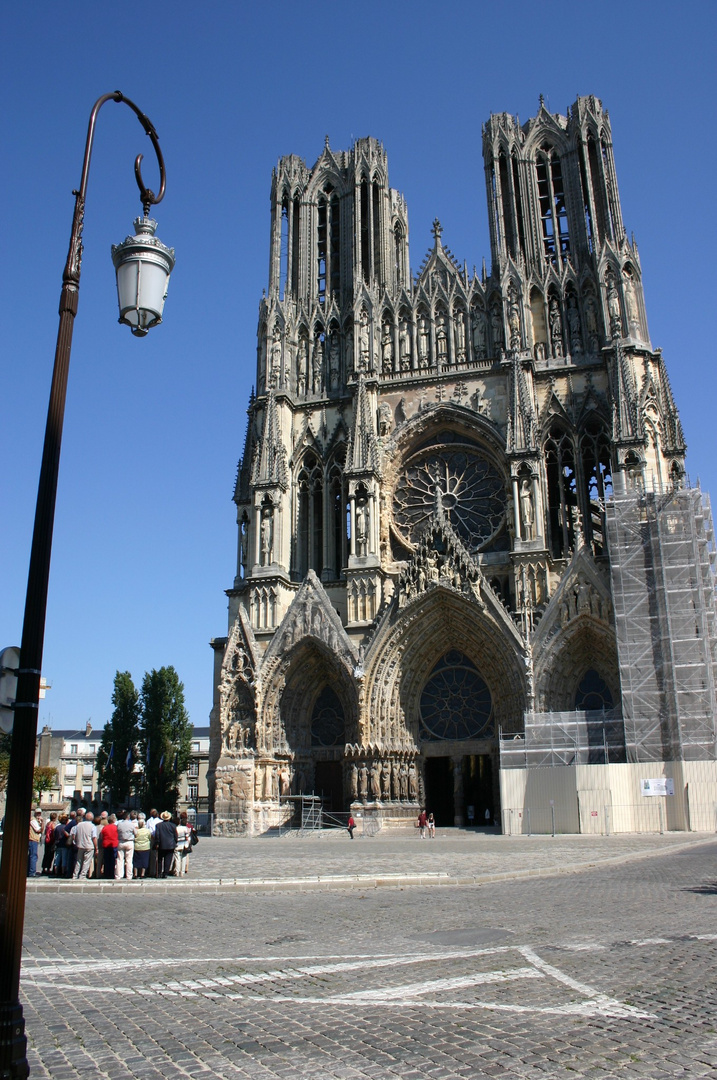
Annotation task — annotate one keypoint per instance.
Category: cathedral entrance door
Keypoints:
(478, 788)
(329, 784)
(439, 790)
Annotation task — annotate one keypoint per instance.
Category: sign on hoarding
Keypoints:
(663, 785)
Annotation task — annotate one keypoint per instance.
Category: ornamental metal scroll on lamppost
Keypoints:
(143, 265)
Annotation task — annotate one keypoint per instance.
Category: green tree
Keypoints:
(117, 753)
(44, 778)
(165, 737)
(5, 744)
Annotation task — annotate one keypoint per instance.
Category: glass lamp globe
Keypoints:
(143, 265)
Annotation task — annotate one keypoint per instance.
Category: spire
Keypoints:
(362, 455)
(270, 459)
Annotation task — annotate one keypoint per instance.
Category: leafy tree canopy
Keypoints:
(117, 753)
(44, 778)
(165, 740)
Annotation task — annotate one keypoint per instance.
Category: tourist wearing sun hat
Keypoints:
(165, 841)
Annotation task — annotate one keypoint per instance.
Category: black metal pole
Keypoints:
(14, 862)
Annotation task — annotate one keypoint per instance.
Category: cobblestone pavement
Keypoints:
(398, 857)
(604, 973)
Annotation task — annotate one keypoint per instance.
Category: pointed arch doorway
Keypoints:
(457, 731)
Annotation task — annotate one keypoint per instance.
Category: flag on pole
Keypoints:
(161, 765)
(111, 753)
(129, 760)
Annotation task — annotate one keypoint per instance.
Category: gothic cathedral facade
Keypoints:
(442, 478)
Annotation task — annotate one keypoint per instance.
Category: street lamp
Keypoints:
(143, 266)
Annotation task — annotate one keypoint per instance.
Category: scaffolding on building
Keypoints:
(662, 562)
(594, 737)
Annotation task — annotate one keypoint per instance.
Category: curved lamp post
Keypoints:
(143, 266)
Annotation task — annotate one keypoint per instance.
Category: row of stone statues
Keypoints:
(384, 780)
(415, 342)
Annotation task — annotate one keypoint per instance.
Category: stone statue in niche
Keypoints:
(556, 326)
(275, 365)
(441, 339)
(266, 534)
(395, 781)
(386, 781)
(387, 349)
(284, 780)
(361, 528)
(403, 778)
(591, 324)
(364, 341)
(375, 780)
(412, 782)
(384, 418)
(576, 345)
(243, 543)
(527, 514)
(353, 782)
(496, 326)
(317, 364)
(513, 317)
(258, 783)
(613, 305)
(479, 334)
(633, 316)
(423, 342)
(404, 344)
(303, 366)
(460, 337)
(334, 361)
(363, 783)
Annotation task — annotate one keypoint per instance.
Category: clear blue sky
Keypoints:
(145, 540)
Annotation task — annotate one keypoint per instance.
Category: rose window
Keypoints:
(459, 482)
(456, 703)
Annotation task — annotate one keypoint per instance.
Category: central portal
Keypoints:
(439, 790)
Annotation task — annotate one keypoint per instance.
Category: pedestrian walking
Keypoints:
(431, 824)
(422, 824)
(351, 825)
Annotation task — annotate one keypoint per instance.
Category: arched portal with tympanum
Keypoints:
(310, 713)
(445, 675)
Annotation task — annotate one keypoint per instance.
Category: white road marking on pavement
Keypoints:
(582, 988)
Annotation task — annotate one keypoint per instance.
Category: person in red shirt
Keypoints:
(351, 825)
(109, 841)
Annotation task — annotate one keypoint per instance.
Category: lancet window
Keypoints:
(337, 555)
(309, 532)
(553, 211)
(597, 479)
(562, 492)
(289, 277)
(328, 239)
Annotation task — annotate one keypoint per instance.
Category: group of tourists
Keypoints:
(113, 847)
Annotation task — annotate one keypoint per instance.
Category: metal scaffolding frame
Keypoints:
(662, 559)
(565, 738)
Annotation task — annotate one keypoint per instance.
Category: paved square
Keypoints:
(604, 973)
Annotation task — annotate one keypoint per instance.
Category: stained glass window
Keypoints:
(458, 481)
(593, 692)
(327, 720)
(456, 703)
